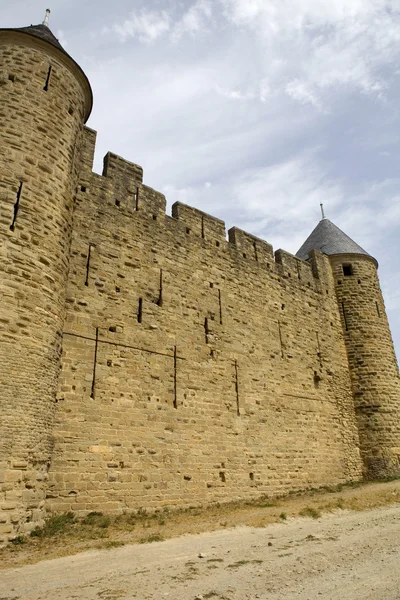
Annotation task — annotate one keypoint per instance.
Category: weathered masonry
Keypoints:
(146, 359)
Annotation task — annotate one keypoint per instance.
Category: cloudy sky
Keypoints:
(253, 110)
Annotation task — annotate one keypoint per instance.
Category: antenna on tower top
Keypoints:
(46, 19)
(322, 211)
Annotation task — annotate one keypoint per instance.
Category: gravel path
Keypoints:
(347, 556)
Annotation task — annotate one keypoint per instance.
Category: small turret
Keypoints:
(372, 360)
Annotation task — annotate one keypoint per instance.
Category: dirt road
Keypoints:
(351, 556)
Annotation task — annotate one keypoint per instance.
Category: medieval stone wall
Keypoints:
(194, 369)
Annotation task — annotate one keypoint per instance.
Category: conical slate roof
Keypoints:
(330, 240)
(42, 32)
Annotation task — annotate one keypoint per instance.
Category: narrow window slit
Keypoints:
(137, 199)
(117, 203)
(222, 476)
(140, 310)
(220, 306)
(160, 293)
(280, 338)
(46, 85)
(377, 309)
(319, 354)
(16, 206)
(175, 377)
(89, 256)
(345, 317)
(237, 388)
(202, 228)
(93, 392)
(206, 329)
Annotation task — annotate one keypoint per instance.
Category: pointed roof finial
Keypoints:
(322, 211)
(46, 19)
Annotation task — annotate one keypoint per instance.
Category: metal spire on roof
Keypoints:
(46, 19)
(322, 211)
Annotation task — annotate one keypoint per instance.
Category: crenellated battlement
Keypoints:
(123, 190)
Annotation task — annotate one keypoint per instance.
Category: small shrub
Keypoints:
(96, 519)
(55, 525)
(310, 512)
(17, 541)
(283, 516)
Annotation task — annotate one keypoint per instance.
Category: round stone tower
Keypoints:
(45, 99)
(373, 366)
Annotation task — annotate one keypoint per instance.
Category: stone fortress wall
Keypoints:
(194, 368)
(146, 360)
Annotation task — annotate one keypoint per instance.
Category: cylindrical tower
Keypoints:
(372, 361)
(45, 98)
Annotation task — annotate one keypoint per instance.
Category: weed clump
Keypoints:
(96, 519)
(310, 512)
(55, 525)
(19, 540)
(151, 538)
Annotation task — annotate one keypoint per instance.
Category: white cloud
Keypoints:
(325, 44)
(196, 19)
(147, 26)
(234, 94)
